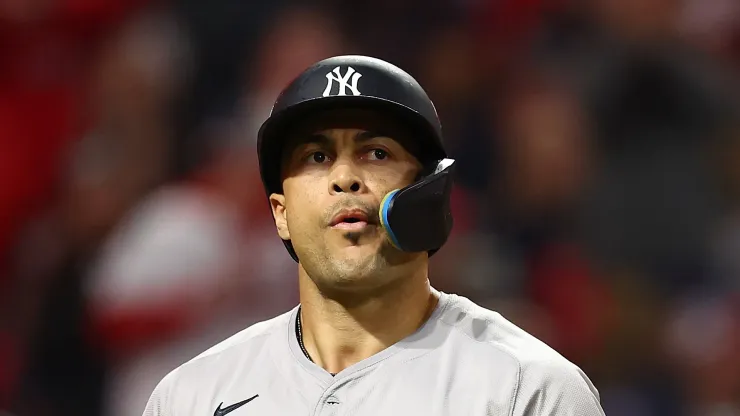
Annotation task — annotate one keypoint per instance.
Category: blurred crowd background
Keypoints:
(597, 202)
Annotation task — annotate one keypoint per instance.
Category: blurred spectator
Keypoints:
(450, 71)
(714, 26)
(224, 38)
(724, 245)
(547, 153)
(174, 278)
(120, 158)
(702, 340)
(655, 104)
(295, 39)
(638, 20)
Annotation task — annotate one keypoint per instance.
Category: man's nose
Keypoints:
(345, 179)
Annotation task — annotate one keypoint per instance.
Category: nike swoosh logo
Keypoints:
(221, 412)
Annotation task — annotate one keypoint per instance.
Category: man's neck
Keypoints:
(336, 335)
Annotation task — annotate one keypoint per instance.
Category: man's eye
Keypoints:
(377, 154)
(317, 157)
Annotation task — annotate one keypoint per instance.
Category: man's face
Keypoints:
(336, 172)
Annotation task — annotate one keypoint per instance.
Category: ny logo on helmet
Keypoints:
(348, 81)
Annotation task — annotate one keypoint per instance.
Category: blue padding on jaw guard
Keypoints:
(384, 217)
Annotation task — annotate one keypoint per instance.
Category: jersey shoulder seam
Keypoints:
(214, 350)
(492, 344)
(208, 353)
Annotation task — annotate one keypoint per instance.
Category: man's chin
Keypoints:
(357, 244)
(356, 258)
(352, 278)
(373, 249)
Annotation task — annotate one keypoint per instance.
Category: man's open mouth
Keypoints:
(352, 220)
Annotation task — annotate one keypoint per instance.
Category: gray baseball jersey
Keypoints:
(465, 360)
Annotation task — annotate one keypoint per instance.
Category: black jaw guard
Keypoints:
(417, 218)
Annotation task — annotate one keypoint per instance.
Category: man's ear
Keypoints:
(280, 214)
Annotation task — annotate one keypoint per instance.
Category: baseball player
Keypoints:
(359, 183)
